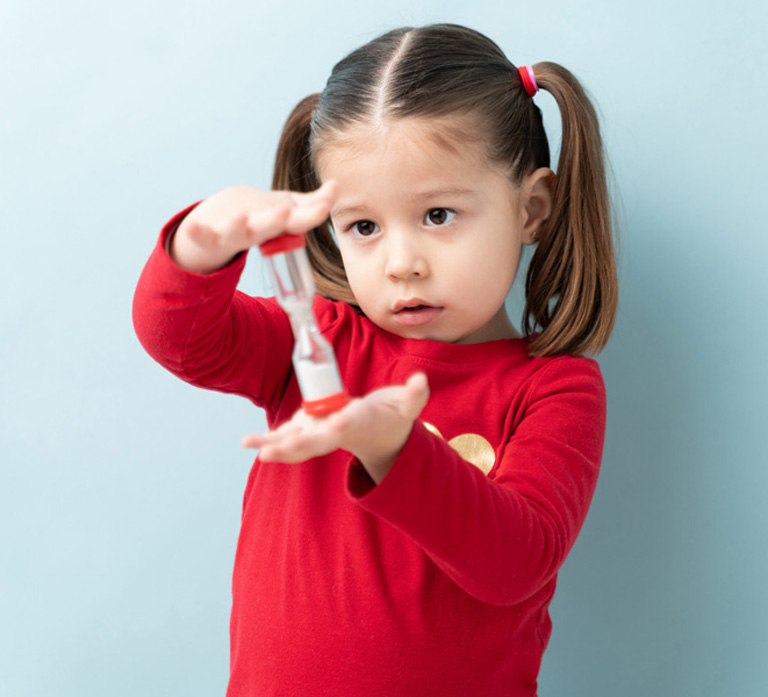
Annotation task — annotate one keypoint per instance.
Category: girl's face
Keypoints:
(430, 233)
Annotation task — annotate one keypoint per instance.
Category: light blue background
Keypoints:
(120, 486)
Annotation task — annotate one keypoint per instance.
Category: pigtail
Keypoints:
(571, 286)
(294, 171)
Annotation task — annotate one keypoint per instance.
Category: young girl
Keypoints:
(412, 547)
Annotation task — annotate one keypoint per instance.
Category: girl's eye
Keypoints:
(439, 216)
(364, 228)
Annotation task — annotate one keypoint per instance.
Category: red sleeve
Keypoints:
(501, 538)
(203, 330)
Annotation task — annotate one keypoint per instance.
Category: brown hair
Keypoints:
(444, 70)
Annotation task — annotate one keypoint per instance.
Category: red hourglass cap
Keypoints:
(284, 243)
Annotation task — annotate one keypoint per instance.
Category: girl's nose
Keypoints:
(405, 257)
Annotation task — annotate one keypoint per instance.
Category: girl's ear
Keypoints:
(538, 189)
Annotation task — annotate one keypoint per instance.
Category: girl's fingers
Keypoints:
(304, 218)
(307, 434)
(200, 234)
(292, 447)
(234, 228)
(241, 217)
(263, 441)
(286, 431)
(228, 235)
(263, 225)
(252, 441)
(327, 192)
(288, 212)
(416, 395)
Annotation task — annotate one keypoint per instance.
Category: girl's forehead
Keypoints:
(448, 138)
(407, 160)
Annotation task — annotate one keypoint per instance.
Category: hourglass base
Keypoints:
(327, 405)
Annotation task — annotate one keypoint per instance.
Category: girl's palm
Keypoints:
(374, 428)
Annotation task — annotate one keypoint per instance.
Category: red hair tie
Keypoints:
(529, 81)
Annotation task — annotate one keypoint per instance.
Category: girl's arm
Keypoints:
(499, 537)
(242, 217)
(187, 313)
(502, 537)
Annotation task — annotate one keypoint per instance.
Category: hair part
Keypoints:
(444, 71)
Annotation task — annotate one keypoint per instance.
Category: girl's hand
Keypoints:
(236, 219)
(373, 428)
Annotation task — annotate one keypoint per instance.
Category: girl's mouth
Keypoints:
(416, 314)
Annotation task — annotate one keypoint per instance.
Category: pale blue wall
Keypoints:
(120, 487)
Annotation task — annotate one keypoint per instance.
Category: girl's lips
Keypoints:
(417, 315)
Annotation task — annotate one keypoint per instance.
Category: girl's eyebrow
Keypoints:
(415, 196)
(449, 191)
(346, 210)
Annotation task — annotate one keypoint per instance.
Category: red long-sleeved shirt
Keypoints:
(435, 582)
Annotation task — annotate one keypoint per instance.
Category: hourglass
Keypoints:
(313, 358)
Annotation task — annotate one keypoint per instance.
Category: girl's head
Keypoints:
(447, 96)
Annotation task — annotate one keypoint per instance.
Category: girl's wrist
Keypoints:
(379, 459)
(378, 468)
